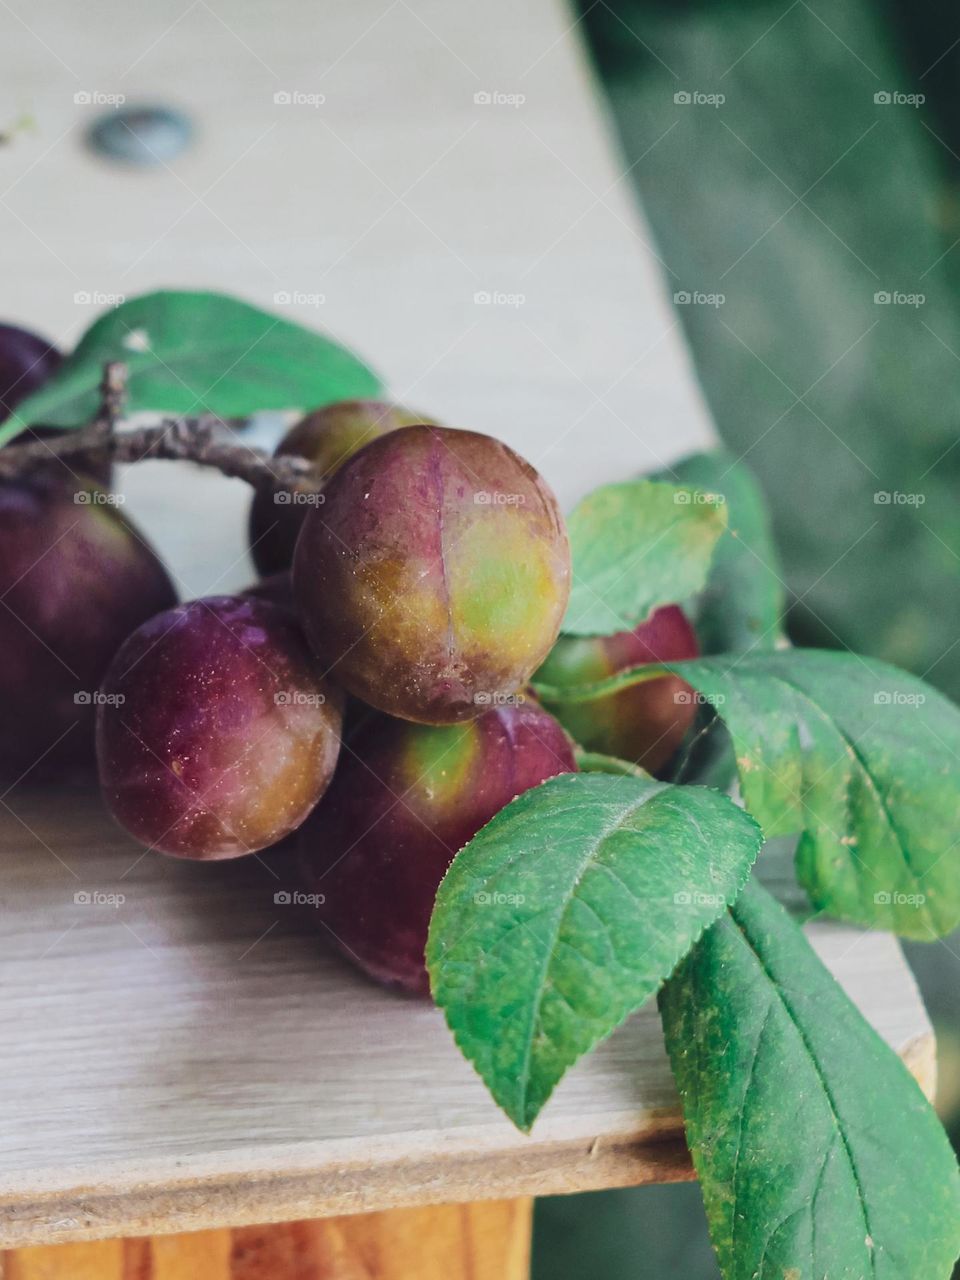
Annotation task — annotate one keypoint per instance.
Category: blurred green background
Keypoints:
(798, 164)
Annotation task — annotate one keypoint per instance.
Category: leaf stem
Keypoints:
(182, 439)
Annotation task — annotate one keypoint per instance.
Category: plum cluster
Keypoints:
(369, 692)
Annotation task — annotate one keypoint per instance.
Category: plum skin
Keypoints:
(406, 798)
(645, 724)
(327, 437)
(75, 579)
(26, 362)
(215, 734)
(433, 580)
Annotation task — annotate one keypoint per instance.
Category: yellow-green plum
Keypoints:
(433, 580)
(406, 798)
(76, 578)
(646, 723)
(216, 736)
(327, 438)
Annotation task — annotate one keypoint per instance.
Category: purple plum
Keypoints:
(433, 579)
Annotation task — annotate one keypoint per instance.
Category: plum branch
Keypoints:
(182, 439)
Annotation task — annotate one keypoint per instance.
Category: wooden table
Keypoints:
(191, 1060)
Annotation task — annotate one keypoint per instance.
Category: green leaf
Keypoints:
(816, 1151)
(567, 911)
(597, 762)
(741, 607)
(858, 756)
(197, 353)
(636, 546)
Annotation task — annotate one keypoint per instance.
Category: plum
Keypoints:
(26, 362)
(327, 438)
(276, 587)
(75, 579)
(434, 578)
(645, 724)
(215, 735)
(405, 800)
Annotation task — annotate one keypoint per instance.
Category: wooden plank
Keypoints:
(182, 1052)
(486, 1241)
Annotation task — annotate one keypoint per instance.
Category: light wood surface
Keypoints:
(485, 1241)
(193, 1056)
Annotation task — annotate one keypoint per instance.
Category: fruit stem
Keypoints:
(178, 439)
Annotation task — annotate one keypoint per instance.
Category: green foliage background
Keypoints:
(799, 199)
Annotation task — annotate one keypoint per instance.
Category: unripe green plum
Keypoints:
(433, 580)
(327, 438)
(75, 579)
(216, 735)
(405, 800)
(646, 723)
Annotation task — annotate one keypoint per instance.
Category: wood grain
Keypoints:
(486, 1241)
(184, 1052)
